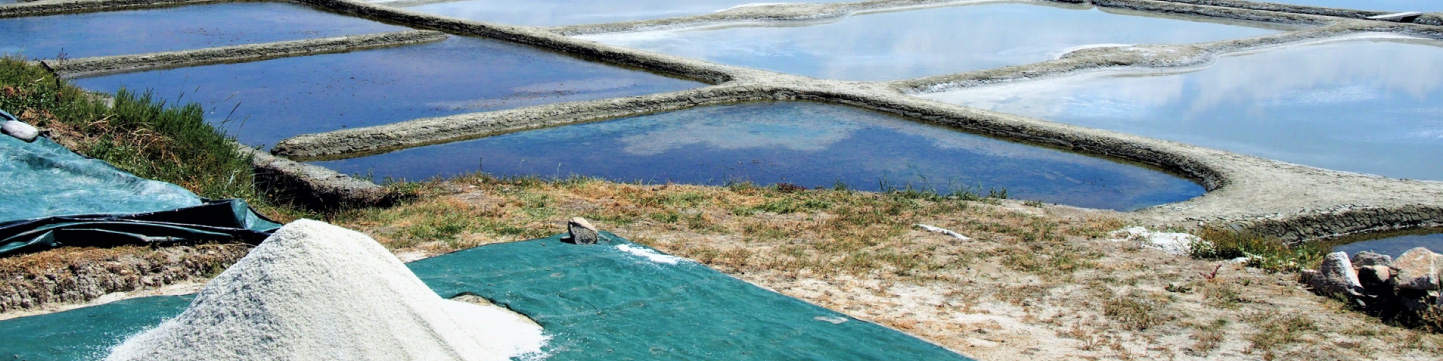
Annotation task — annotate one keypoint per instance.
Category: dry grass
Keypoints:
(794, 232)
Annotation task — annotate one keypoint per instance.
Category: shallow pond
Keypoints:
(1395, 246)
(807, 144)
(576, 12)
(1379, 5)
(266, 101)
(1361, 105)
(176, 28)
(926, 42)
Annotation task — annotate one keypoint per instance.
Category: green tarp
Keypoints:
(52, 197)
(610, 301)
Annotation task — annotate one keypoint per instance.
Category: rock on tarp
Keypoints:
(51, 197)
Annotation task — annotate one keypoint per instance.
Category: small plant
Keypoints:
(789, 187)
(1135, 310)
(1211, 275)
(1269, 254)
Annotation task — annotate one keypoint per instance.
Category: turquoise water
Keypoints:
(1361, 106)
(925, 42)
(266, 101)
(808, 144)
(577, 12)
(176, 28)
(610, 301)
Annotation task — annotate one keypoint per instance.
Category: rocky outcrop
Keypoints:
(1405, 289)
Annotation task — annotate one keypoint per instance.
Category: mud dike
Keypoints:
(1247, 193)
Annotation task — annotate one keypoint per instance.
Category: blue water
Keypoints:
(270, 100)
(808, 144)
(177, 28)
(925, 42)
(596, 302)
(1395, 246)
(1362, 106)
(1379, 5)
(576, 12)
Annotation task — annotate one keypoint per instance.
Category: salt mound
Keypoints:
(313, 291)
(1174, 243)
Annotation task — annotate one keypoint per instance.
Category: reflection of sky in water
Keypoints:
(916, 43)
(1363, 106)
(1380, 5)
(1395, 246)
(285, 97)
(577, 12)
(177, 28)
(803, 143)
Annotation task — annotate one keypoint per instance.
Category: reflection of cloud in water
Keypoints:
(810, 127)
(1322, 74)
(1356, 105)
(797, 128)
(921, 42)
(1074, 96)
(579, 85)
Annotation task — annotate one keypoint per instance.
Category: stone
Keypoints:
(1413, 300)
(1375, 278)
(20, 130)
(582, 232)
(1366, 258)
(1417, 270)
(1336, 276)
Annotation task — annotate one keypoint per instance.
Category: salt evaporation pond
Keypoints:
(177, 28)
(279, 98)
(1395, 246)
(576, 12)
(916, 43)
(1361, 106)
(807, 144)
(1378, 5)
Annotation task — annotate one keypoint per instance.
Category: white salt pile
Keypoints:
(1174, 243)
(313, 291)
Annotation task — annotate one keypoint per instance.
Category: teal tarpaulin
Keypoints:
(615, 300)
(52, 197)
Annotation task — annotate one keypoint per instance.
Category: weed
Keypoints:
(1207, 338)
(1261, 252)
(1136, 310)
(1276, 331)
